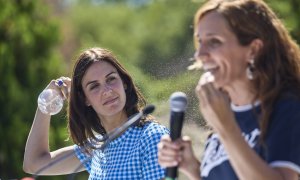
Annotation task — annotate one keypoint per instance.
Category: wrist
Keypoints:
(193, 171)
(230, 132)
(42, 112)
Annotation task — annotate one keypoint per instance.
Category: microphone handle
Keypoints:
(171, 173)
(176, 123)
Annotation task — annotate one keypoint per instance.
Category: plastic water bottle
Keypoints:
(50, 102)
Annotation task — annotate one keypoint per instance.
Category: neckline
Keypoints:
(244, 108)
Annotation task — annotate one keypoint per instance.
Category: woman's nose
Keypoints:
(107, 89)
(201, 54)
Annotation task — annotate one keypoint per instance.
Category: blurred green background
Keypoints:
(39, 41)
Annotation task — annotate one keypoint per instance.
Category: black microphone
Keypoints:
(178, 104)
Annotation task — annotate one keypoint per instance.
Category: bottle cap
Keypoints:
(59, 82)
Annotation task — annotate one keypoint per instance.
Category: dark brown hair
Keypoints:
(277, 65)
(83, 120)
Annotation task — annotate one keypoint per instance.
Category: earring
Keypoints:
(250, 69)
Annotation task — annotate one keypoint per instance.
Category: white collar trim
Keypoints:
(243, 108)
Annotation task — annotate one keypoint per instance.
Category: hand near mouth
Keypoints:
(213, 103)
(207, 77)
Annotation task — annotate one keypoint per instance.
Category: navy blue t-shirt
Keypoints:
(282, 144)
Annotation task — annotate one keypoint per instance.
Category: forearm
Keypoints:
(37, 145)
(245, 161)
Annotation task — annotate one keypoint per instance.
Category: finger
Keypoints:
(185, 142)
(186, 139)
(216, 95)
(203, 96)
(64, 83)
(200, 96)
(166, 159)
(64, 89)
(205, 90)
(67, 82)
(166, 164)
(168, 144)
(165, 156)
(211, 92)
(167, 150)
(197, 90)
(206, 77)
(165, 138)
(211, 88)
(225, 95)
(59, 83)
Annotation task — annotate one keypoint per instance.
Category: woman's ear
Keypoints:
(255, 47)
(87, 103)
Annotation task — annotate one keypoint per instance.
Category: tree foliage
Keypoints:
(153, 39)
(149, 36)
(27, 62)
(289, 12)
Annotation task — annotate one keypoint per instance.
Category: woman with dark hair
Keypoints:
(249, 96)
(102, 98)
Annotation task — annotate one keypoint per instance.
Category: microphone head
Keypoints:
(148, 109)
(178, 102)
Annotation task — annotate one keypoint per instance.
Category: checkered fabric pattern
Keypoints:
(133, 155)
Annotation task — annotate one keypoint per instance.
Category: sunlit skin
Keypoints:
(225, 62)
(223, 56)
(104, 91)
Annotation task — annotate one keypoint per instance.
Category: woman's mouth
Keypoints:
(110, 101)
(213, 70)
(210, 68)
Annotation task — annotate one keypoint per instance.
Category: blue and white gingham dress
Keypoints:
(133, 155)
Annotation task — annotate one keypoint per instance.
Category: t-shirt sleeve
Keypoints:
(151, 137)
(83, 156)
(283, 138)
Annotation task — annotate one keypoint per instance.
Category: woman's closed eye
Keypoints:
(108, 81)
(213, 43)
(94, 85)
(111, 79)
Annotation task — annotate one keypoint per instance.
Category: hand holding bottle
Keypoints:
(50, 101)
